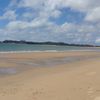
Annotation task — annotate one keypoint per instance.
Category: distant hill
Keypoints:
(46, 43)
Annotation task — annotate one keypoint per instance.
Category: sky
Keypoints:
(70, 21)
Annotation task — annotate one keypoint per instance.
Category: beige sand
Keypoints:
(78, 80)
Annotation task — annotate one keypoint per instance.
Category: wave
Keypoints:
(29, 51)
(45, 51)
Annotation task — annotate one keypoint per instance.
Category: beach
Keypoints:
(70, 75)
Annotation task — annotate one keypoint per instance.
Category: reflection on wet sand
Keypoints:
(7, 71)
(20, 65)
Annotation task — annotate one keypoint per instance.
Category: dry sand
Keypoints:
(72, 80)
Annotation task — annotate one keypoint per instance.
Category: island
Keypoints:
(47, 43)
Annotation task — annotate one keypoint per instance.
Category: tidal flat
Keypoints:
(71, 75)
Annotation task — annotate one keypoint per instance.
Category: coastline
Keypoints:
(75, 80)
(49, 51)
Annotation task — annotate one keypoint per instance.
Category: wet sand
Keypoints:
(50, 76)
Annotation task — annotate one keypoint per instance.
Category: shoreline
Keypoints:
(48, 51)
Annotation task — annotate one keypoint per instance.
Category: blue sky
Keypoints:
(68, 21)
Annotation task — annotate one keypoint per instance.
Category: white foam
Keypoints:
(30, 51)
(47, 51)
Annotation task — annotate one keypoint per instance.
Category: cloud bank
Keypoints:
(51, 20)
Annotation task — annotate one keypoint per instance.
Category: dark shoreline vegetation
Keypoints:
(46, 43)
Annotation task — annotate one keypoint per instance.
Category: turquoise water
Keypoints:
(26, 47)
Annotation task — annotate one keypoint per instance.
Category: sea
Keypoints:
(12, 47)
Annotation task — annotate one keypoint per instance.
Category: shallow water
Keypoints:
(7, 71)
(11, 47)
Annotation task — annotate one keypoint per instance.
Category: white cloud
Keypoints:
(55, 13)
(14, 25)
(97, 40)
(31, 3)
(81, 5)
(36, 23)
(28, 15)
(51, 7)
(93, 15)
(37, 30)
(10, 15)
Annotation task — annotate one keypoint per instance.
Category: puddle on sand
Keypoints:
(8, 71)
(52, 62)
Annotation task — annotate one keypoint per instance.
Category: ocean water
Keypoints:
(11, 47)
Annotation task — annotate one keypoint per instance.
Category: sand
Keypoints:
(67, 80)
